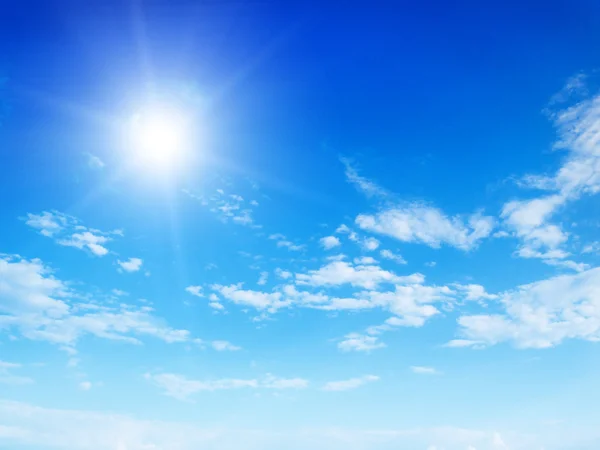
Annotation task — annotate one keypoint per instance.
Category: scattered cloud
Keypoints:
(283, 242)
(227, 207)
(578, 175)
(352, 383)
(67, 231)
(131, 265)
(330, 242)
(41, 307)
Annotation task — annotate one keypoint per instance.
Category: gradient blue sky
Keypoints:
(384, 234)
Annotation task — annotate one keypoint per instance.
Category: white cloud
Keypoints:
(222, 346)
(365, 260)
(42, 307)
(284, 274)
(370, 244)
(330, 242)
(29, 426)
(593, 247)
(364, 185)
(85, 385)
(337, 273)
(86, 240)
(195, 290)
(284, 243)
(67, 231)
(182, 388)
(259, 300)
(94, 162)
(352, 383)
(8, 377)
(359, 343)
(227, 208)
(262, 280)
(131, 265)
(579, 174)
(540, 314)
(475, 292)
(388, 254)
(424, 370)
(427, 225)
(49, 223)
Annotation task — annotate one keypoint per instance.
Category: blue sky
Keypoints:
(350, 228)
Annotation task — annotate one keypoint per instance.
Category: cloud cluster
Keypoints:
(41, 307)
(539, 315)
(68, 231)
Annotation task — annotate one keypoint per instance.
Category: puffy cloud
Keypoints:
(370, 244)
(540, 314)
(427, 225)
(183, 388)
(329, 242)
(352, 383)
(131, 265)
(284, 274)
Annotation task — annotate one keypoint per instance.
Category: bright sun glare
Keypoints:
(159, 137)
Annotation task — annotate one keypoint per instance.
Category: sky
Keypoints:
(290, 225)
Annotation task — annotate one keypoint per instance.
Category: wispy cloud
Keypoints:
(68, 231)
(227, 207)
(424, 370)
(352, 383)
(183, 388)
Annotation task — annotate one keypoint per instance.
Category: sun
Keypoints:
(159, 137)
